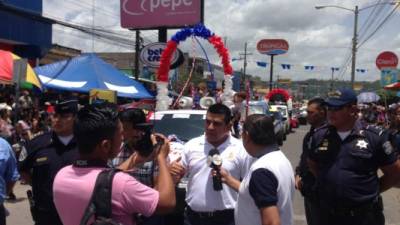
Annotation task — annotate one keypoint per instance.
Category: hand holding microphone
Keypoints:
(215, 162)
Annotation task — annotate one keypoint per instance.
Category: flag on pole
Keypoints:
(262, 64)
(286, 66)
(309, 67)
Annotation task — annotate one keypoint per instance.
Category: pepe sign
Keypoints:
(150, 55)
(272, 46)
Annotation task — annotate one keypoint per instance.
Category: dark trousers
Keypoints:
(312, 209)
(2, 214)
(47, 218)
(370, 215)
(192, 218)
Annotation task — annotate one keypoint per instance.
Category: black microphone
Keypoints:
(215, 162)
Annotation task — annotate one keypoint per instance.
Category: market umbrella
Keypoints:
(393, 87)
(367, 97)
(6, 70)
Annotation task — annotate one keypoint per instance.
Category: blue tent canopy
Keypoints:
(86, 72)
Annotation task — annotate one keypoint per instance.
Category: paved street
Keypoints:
(19, 210)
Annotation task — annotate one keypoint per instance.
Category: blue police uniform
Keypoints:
(308, 189)
(42, 158)
(348, 183)
(45, 156)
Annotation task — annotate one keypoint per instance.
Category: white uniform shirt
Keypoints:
(200, 195)
(278, 166)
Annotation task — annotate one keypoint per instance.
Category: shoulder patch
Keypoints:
(387, 148)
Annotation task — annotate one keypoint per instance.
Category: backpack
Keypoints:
(100, 202)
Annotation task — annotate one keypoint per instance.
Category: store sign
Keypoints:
(272, 46)
(148, 14)
(387, 60)
(151, 54)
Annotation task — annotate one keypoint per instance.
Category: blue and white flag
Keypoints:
(309, 67)
(262, 64)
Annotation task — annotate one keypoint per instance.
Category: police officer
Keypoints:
(345, 158)
(305, 180)
(44, 156)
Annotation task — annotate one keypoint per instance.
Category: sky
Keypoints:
(320, 38)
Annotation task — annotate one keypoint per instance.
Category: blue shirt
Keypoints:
(8, 167)
(348, 168)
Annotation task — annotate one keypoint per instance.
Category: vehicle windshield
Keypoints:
(185, 126)
(256, 109)
(282, 110)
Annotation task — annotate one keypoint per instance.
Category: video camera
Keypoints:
(144, 146)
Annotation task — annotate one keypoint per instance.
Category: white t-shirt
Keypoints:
(200, 195)
(270, 182)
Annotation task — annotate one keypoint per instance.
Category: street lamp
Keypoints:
(354, 42)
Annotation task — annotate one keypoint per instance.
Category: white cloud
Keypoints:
(316, 37)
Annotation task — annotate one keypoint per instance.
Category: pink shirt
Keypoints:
(72, 190)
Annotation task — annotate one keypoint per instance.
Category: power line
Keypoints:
(380, 25)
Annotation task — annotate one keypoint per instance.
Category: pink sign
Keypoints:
(387, 60)
(272, 46)
(146, 14)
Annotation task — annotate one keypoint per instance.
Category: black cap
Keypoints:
(136, 117)
(67, 106)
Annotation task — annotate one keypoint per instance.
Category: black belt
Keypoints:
(218, 213)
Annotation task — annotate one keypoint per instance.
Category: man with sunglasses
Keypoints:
(345, 157)
(44, 156)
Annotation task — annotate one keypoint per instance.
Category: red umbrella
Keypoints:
(393, 87)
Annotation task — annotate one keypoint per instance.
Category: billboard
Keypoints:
(151, 14)
(272, 46)
(389, 76)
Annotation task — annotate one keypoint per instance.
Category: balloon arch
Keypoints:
(163, 101)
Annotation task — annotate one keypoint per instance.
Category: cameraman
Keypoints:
(137, 147)
(134, 131)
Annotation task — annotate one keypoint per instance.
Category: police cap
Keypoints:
(341, 97)
(67, 106)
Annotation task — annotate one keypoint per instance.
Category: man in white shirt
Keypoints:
(266, 192)
(207, 206)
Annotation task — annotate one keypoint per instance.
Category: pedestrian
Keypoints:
(44, 156)
(134, 132)
(205, 204)
(8, 175)
(98, 132)
(305, 180)
(266, 192)
(345, 158)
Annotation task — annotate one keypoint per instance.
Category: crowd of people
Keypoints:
(230, 180)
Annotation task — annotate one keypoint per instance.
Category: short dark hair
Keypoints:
(222, 109)
(93, 124)
(133, 116)
(320, 102)
(260, 129)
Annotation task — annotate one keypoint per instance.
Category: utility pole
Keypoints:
(245, 54)
(331, 88)
(137, 49)
(354, 48)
